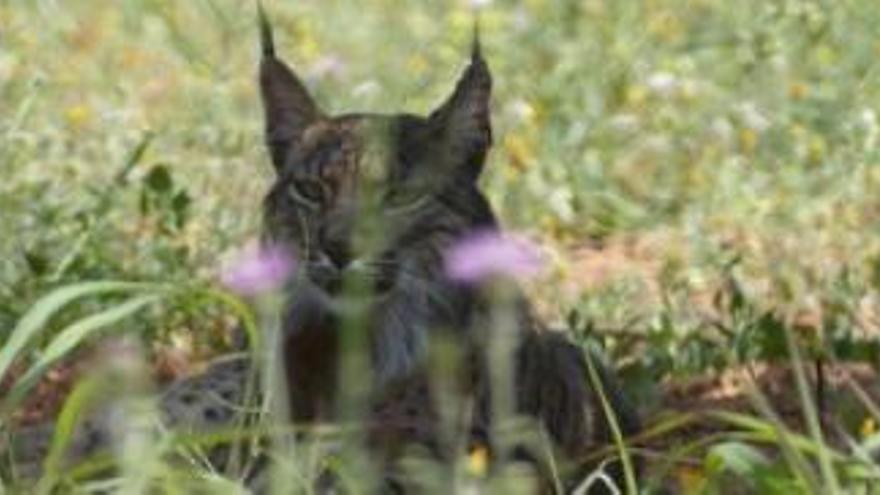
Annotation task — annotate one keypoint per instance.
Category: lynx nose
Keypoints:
(323, 270)
(337, 254)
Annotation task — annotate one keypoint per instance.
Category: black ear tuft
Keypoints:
(476, 47)
(464, 117)
(267, 44)
(288, 107)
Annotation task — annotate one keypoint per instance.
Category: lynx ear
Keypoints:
(288, 107)
(463, 119)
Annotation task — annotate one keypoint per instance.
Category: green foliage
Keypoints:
(720, 159)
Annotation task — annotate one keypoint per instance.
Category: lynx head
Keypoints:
(349, 189)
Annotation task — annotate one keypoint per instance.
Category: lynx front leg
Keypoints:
(554, 386)
(311, 354)
(403, 409)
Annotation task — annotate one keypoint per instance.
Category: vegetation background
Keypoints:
(704, 174)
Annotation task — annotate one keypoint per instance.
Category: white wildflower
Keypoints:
(752, 117)
(663, 83)
(366, 89)
(722, 129)
(624, 123)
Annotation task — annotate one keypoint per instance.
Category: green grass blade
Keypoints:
(35, 320)
(793, 456)
(65, 428)
(626, 461)
(70, 337)
(768, 431)
(811, 415)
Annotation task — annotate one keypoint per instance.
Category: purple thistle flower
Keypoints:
(487, 253)
(258, 269)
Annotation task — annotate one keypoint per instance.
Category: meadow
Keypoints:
(702, 175)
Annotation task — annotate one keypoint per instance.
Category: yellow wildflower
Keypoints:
(868, 427)
(666, 26)
(816, 148)
(826, 55)
(636, 95)
(691, 479)
(78, 116)
(478, 461)
(553, 225)
(306, 42)
(689, 90)
(748, 139)
(85, 37)
(131, 57)
(519, 150)
(417, 64)
(798, 90)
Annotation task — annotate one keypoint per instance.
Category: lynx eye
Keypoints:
(308, 193)
(401, 204)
